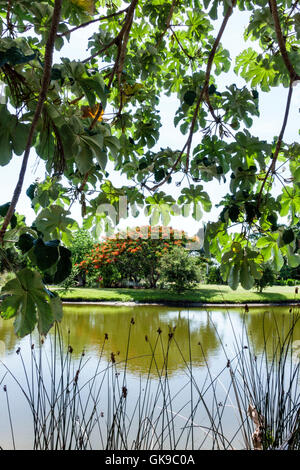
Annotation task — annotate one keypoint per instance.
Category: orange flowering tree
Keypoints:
(133, 255)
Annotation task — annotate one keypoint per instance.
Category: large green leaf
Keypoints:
(6, 148)
(25, 242)
(47, 254)
(64, 265)
(29, 303)
(3, 210)
(234, 277)
(14, 56)
(19, 138)
(53, 220)
(246, 278)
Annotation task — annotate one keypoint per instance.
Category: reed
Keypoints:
(76, 408)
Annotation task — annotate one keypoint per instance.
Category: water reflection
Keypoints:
(134, 332)
(265, 326)
(178, 336)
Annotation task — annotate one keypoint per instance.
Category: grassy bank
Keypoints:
(204, 294)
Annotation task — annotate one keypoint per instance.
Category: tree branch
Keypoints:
(121, 41)
(119, 38)
(201, 97)
(42, 96)
(95, 20)
(168, 22)
(210, 61)
(181, 46)
(293, 77)
(272, 167)
(273, 7)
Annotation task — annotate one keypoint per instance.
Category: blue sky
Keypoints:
(271, 105)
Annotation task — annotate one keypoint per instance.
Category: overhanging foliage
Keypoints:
(84, 117)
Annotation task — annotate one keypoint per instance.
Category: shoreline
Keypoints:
(182, 304)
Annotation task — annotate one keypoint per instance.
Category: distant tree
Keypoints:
(82, 244)
(179, 269)
(134, 254)
(268, 278)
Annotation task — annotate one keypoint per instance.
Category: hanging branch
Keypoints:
(9, 24)
(181, 46)
(119, 38)
(293, 77)
(201, 97)
(42, 97)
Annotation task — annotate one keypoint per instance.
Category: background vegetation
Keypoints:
(88, 118)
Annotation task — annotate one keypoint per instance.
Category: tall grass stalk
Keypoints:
(258, 391)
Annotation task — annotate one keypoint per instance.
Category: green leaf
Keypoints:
(113, 144)
(95, 142)
(263, 242)
(46, 254)
(234, 277)
(19, 138)
(288, 236)
(278, 260)
(189, 97)
(88, 91)
(102, 159)
(3, 211)
(246, 278)
(211, 89)
(56, 307)
(293, 258)
(159, 174)
(28, 302)
(25, 242)
(14, 56)
(84, 159)
(30, 192)
(52, 221)
(6, 148)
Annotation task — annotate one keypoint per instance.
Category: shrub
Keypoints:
(214, 275)
(82, 244)
(180, 269)
(134, 254)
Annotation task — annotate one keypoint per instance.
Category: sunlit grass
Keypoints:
(204, 294)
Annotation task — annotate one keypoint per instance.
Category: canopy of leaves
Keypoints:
(98, 114)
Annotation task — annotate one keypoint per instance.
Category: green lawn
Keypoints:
(203, 294)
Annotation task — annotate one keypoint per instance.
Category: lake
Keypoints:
(164, 376)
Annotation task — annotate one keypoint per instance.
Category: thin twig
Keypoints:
(95, 20)
(168, 22)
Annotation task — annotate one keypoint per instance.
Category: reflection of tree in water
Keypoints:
(151, 331)
(266, 326)
(88, 325)
(7, 335)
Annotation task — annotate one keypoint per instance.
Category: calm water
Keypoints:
(194, 341)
